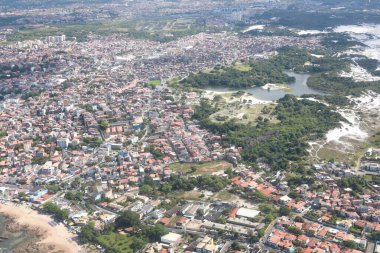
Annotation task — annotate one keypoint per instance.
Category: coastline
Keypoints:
(45, 236)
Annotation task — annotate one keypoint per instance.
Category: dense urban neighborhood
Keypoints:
(173, 126)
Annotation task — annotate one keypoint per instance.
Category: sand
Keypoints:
(368, 34)
(54, 236)
(247, 96)
(359, 74)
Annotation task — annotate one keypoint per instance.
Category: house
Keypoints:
(171, 239)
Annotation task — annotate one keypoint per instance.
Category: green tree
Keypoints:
(88, 233)
(284, 211)
(350, 244)
(128, 219)
(146, 189)
(59, 214)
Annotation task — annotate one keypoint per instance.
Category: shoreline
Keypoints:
(48, 238)
(247, 96)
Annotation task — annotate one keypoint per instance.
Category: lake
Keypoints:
(298, 88)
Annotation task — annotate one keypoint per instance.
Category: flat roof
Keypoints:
(248, 213)
(171, 237)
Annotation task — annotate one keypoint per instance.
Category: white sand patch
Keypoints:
(274, 86)
(317, 55)
(368, 101)
(351, 134)
(348, 130)
(247, 96)
(254, 27)
(316, 100)
(309, 32)
(359, 74)
(354, 129)
(368, 34)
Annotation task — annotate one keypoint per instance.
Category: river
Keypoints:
(298, 88)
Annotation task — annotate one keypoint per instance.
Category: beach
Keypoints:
(52, 237)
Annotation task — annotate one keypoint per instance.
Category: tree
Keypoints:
(88, 233)
(200, 213)
(235, 246)
(155, 232)
(295, 230)
(54, 188)
(269, 218)
(108, 159)
(59, 214)
(375, 235)
(350, 244)
(146, 189)
(103, 125)
(166, 188)
(284, 211)
(128, 219)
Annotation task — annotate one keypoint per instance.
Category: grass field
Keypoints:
(201, 168)
(242, 67)
(223, 195)
(155, 82)
(117, 243)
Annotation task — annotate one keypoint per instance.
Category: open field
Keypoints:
(201, 168)
(155, 82)
(244, 113)
(242, 67)
(223, 195)
(188, 195)
(155, 29)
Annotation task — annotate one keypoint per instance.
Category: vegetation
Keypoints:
(157, 153)
(200, 168)
(292, 17)
(275, 144)
(256, 73)
(357, 184)
(115, 242)
(92, 141)
(40, 160)
(56, 211)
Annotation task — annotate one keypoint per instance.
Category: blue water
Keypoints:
(298, 88)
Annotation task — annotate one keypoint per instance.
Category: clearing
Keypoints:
(201, 168)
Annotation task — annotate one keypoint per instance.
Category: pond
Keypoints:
(298, 88)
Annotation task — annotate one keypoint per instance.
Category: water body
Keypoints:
(298, 88)
(14, 239)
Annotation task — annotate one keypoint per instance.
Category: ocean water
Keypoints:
(10, 241)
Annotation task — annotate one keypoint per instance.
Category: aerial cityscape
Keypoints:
(177, 126)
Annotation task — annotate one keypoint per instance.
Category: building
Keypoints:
(63, 142)
(171, 239)
(247, 213)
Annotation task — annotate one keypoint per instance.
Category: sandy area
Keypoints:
(247, 96)
(362, 121)
(56, 236)
(275, 86)
(368, 34)
(359, 74)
